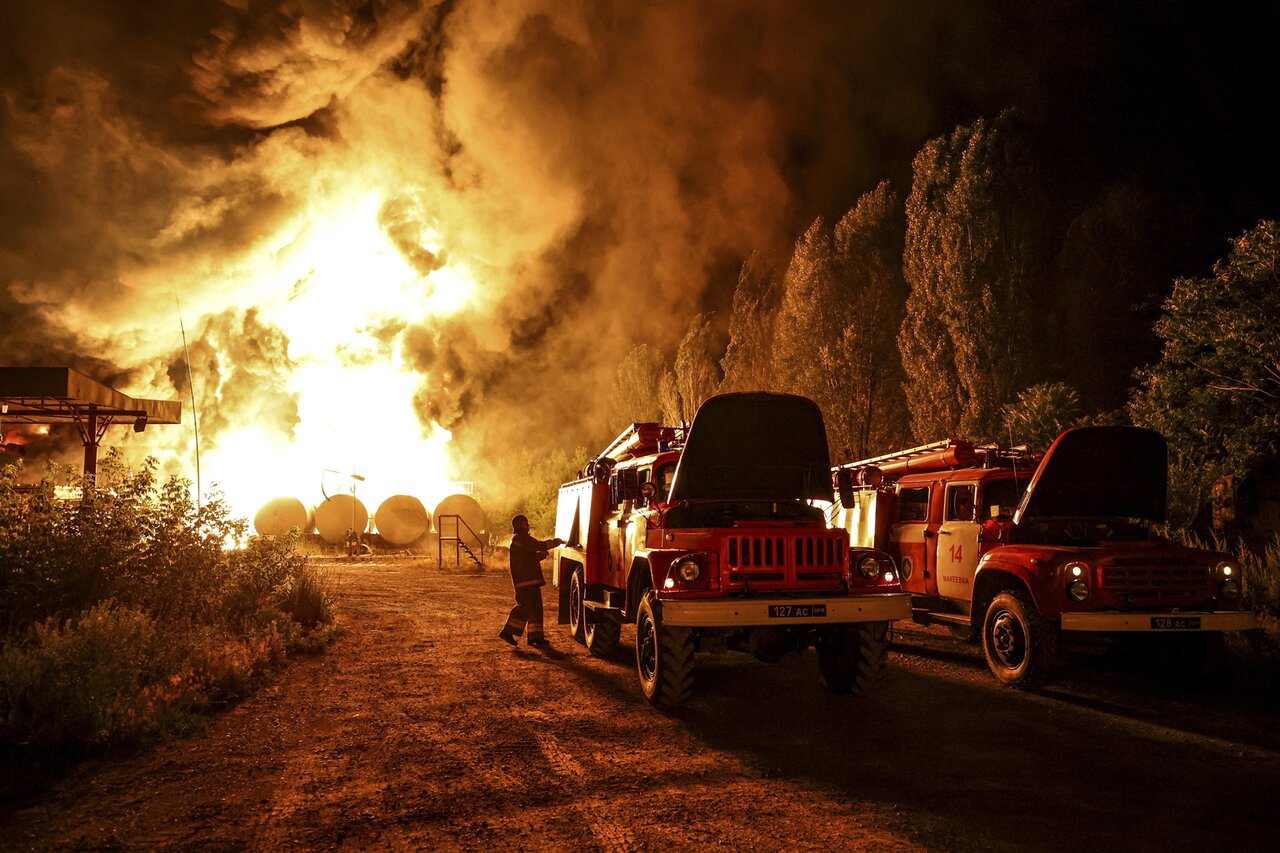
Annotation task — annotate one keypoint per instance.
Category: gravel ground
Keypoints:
(421, 730)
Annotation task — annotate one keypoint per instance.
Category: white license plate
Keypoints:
(796, 611)
(1175, 623)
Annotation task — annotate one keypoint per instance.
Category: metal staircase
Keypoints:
(451, 529)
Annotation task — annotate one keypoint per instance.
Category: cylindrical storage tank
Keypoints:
(402, 520)
(280, 515)
(465, 507)
(339, 514)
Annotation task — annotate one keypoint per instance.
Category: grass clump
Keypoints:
(126, 612)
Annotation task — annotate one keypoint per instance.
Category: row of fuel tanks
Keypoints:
(400, 519)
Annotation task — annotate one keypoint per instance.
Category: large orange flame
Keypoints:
(354, 391)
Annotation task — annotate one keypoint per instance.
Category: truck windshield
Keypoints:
(663, 477)
(1000, 497)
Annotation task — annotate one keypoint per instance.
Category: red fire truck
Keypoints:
(712, 543)
(1021, 551)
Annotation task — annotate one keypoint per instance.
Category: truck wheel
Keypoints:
(853, 658)
(1019, 643)
(664, 658)
(601, 635)
(577, 613)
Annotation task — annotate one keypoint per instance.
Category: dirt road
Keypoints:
(421, 730)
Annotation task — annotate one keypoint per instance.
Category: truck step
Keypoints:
(926, 617)
(600, 610)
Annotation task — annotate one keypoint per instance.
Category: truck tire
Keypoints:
(1019, 643)
(601, 635)
(664, 657)
(577, 612)
(853, 658)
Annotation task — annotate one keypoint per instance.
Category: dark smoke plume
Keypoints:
(599, 170)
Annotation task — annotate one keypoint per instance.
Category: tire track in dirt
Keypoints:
(594, 810)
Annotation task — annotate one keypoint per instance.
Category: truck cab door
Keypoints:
(627, 533)
(908, 540)
(957, 542)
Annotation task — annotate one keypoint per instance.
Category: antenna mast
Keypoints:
(191, 384)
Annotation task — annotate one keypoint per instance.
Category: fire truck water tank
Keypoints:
(402, 520)
(466, 508)
(339, 514)
(280, 515)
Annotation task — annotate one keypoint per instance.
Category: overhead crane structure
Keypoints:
(61, 395)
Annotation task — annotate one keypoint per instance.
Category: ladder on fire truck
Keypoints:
(949, 452)
(899, 455)
(451, 527)
(641, 439)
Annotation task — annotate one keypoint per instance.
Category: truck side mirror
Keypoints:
(844, 485)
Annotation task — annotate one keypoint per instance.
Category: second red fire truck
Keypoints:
(712, 543)
(1019, 551)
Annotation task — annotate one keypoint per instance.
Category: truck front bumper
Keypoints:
(738, 612)
(1184, 621)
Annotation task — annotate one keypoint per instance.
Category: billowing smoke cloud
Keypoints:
(557, 181)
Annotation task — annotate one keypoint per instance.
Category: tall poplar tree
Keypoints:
(748, 358)
(974, 261)
(697, 375)
(634, 397)
(835, 331)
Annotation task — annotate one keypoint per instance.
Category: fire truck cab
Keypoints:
(712, 543)
(1018, 551)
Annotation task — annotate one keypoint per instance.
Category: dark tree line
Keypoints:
(972, 310)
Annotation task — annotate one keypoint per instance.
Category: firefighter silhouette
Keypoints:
(527, 555)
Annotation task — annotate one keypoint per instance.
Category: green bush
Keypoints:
(307, 597)
(81, 683)
(122, 612)
(1261, 572)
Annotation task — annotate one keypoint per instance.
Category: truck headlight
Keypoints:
(688, 569)
(1078, 589)
(1230, 589)
(868, 567)
(1225, 570)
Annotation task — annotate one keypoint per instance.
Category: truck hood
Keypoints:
(755, 446)
(1100, 472)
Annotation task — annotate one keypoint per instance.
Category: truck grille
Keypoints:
(814, 562)
(1155, 580)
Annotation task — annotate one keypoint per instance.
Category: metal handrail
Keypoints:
(456, 538)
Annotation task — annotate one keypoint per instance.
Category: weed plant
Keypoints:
(1252, 656)
(124, 613)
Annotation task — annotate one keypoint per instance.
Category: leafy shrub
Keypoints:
(307, 597)
(1261, 572)
(124, 611)
(80, 683)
